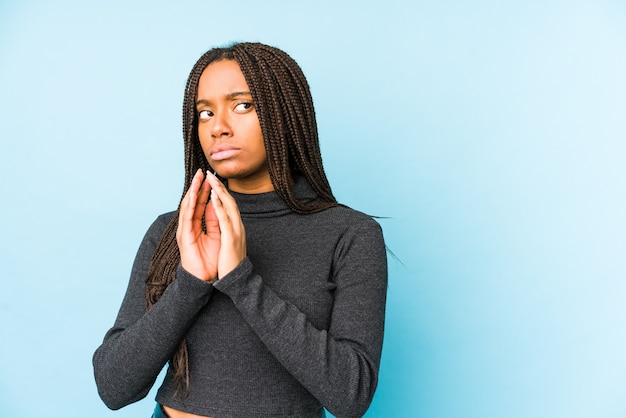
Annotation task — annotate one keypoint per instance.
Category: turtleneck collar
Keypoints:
(270, 204)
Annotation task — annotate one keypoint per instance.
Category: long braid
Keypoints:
(287, 117)
(288, 123)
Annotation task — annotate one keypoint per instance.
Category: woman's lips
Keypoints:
(222, 154)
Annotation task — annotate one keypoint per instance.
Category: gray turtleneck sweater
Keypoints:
(296, 327)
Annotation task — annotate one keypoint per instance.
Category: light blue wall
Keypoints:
(492, 134)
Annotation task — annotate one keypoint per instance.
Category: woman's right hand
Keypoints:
(199, 250)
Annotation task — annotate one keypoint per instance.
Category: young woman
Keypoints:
(265, 295)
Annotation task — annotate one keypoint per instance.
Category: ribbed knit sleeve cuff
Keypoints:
(232, 283)
(190, 288)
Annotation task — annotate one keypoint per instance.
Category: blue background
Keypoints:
(491, 134)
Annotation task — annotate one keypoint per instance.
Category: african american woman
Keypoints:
(263, 295)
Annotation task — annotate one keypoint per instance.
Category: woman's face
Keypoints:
(229, 129)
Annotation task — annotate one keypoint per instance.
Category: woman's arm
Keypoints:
(339, 366)
(139, 344)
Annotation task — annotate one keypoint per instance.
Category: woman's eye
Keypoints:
(242, 107)
(205, 114)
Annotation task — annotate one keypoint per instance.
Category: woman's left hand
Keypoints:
(233, 235)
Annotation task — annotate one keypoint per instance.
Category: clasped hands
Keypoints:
(216, 252)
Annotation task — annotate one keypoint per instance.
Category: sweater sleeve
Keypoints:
(140, 342)
(339, 366)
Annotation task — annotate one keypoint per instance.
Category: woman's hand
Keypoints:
(233, 235)
(216, 252)
(198, 250)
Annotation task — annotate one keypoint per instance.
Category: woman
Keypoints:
(265, 295)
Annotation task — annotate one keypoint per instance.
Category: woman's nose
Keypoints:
(221, 125)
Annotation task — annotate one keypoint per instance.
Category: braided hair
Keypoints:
(287, 117)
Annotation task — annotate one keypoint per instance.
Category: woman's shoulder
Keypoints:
(165, 218)
(351, 226)
(158, 226)
(345, 216)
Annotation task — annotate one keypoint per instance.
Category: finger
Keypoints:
(231, 226)
(215, 182)
(220, 212)
(201, 202)
(211, 221)
(218, 193)
(188, 203)
(226, 208)
(232, 235)
(227, 201)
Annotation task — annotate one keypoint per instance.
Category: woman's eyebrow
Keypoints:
(229, 96)
(238, 94)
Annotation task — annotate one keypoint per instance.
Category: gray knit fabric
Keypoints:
(296, 327)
